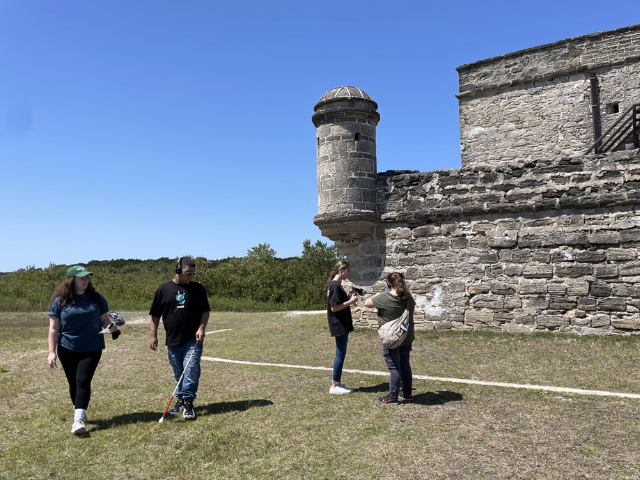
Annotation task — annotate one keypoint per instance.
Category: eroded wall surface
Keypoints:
(538, 245)
(537, 103)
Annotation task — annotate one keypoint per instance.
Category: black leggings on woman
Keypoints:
(79, 368)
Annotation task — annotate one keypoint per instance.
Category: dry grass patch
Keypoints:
(257, 422)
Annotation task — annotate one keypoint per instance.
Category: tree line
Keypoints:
(259, 281)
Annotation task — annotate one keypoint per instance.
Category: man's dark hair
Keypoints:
(188, 262)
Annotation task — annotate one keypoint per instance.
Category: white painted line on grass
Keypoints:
(218, 331)
(295, 313)
(547, 388)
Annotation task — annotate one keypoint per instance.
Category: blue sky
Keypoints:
(142, 129)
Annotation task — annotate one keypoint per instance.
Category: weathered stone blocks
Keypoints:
(570, 271)
(529, 234)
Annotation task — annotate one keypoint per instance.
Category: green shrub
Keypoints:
(258, 281)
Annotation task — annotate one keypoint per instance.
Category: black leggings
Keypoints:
(79, 368)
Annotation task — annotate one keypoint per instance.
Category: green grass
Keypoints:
(257, 422)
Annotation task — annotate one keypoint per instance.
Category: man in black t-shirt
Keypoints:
(184, 308)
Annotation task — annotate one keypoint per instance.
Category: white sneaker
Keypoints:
(340, 389)
(78, 427)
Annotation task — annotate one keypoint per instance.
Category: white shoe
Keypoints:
(78, 427)
(340, 389)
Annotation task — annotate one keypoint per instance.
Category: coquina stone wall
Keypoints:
(531, 234)
(533, 245)
(537, 103)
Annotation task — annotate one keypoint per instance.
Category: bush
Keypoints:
(257, 282)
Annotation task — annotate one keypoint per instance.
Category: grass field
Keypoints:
(257, 422)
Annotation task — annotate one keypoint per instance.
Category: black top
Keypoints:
(339, 322)
(181, 307)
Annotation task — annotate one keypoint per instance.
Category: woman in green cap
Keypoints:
(77, 317)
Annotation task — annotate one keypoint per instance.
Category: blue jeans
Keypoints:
(178, 358)
(341, 352)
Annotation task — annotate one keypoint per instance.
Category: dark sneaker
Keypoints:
(388, 400)
(177, 408)
(407, 398)
(187, 411)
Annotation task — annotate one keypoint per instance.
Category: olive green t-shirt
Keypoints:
(391, 307)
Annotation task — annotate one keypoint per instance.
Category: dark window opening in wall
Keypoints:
(613, 107)
(318, 139)
(357, 137)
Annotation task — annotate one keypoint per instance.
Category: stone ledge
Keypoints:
(410, 196)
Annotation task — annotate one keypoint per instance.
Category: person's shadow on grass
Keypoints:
(146, 417)
(436, 398)
(428, 398)
(381, 387)
(224, 407)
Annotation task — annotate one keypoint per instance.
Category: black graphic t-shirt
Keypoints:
(181, 307)
(339, 322)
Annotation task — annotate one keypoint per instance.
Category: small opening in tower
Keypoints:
(357, 137)
(318, 140)
(613, 107)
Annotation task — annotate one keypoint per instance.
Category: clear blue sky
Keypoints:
(150, 128)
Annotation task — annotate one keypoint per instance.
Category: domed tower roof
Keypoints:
(340, 100)
(344, 92)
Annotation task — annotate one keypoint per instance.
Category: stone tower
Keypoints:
(346, 120)
(532, 232)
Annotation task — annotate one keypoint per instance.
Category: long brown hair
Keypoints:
(395, 280)
(341, 265)
(67, 290)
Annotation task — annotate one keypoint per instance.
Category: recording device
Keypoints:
(359, 291)
(118, 321)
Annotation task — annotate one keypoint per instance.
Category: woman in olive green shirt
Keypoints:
(391, 305)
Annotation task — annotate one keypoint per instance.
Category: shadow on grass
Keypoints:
(436, 398)
(223, 407)
(428, 398)
(381, 387)
(146, 417)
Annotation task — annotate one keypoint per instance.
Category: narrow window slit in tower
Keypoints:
(318, 139)
(613, 107)
(357, 137)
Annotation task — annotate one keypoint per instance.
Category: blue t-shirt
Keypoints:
(80, 323)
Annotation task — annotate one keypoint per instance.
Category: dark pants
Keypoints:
(79, 368)
(397, 360)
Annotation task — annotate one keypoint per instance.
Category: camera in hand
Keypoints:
(359, 291)
(118, 321)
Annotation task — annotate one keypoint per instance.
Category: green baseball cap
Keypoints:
(78, 271)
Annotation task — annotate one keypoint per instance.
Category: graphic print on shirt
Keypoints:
(180, 298)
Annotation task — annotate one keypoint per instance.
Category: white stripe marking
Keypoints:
(547, 388)
(218, 331)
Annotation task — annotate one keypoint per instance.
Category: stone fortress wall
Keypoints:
(543, 240)
(538, 102)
